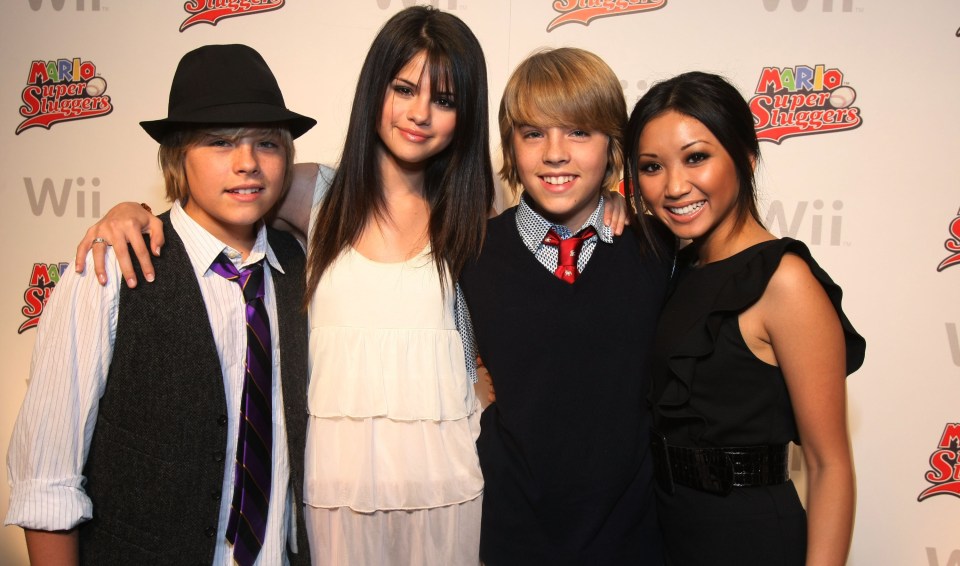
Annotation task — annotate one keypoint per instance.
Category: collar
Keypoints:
(202, 247)
(533, 227)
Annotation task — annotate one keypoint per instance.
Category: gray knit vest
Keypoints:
(156, 463)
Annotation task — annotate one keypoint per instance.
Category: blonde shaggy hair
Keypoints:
(173, 152)
(567, 87)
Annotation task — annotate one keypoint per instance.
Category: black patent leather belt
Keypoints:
(718, 470)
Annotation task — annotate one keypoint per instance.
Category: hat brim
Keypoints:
(250, 113)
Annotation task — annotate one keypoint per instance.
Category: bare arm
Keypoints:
(808, 342)
(292, 213)
(127, 222)
(484, 385)
(53, 548)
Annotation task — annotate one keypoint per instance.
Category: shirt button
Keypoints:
(210, 532)
(222, 420)
(219, 456)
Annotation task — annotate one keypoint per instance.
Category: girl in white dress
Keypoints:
(392, 475)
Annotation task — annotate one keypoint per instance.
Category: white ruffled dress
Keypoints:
(392, 475)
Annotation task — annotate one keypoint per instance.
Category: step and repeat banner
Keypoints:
(855, 101)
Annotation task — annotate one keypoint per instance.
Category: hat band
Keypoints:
(191, 105)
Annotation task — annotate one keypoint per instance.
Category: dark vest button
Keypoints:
(215, 495)
(210, 531)
(222, 420)
(219, 456)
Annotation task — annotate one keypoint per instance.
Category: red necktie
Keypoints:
(568, 251)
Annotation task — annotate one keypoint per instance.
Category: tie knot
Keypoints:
(554, 235)
(250, 278)
(568, 250)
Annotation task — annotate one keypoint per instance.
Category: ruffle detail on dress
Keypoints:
(740, 290)
(401, 374)
(380, 464)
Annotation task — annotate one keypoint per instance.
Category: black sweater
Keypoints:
(564, 449)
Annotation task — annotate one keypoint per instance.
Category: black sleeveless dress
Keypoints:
(709, 391)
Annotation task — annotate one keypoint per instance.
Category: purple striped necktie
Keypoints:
(252, 477)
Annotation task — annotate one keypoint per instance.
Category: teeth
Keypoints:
(246, 191)
(559, 180)
(689, 209)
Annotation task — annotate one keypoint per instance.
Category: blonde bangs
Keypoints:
(173, 152)
(565, 87)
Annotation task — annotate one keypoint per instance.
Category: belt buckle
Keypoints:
(716, 475)
(661, 462)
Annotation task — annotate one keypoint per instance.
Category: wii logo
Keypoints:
(801, 5)
(47, 193)
(817, 227)
(451, 4)
(58, 5)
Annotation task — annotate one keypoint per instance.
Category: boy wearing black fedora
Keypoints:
(162, 424)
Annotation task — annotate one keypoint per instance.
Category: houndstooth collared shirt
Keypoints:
(533, 228)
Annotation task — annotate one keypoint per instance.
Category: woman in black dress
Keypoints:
(752, 347)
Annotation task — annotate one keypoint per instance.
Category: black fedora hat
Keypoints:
(225, 84)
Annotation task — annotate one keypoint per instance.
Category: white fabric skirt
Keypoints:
(441, 536)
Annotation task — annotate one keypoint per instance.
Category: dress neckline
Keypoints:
(423, 252)
(696, 266)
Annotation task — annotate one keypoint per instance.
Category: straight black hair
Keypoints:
(458, 182)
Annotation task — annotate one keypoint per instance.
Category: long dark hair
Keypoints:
(716, 104)
(458, 182)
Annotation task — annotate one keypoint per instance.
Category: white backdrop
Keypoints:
(878, 202)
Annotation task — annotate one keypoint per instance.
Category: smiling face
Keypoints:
(562, 169)
(233, 181)
(687, 178)
(416, 124)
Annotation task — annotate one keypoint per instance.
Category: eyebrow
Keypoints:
(416, 85)
(684, 147)
(694, 142)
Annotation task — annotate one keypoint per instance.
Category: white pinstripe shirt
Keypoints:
(68, 375)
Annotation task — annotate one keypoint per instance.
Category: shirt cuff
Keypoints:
(49, 505)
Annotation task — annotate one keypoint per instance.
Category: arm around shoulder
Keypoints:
(125, 223)
(293, 212)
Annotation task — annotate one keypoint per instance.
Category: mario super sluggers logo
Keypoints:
(582, 11)
(944, 471)
(212, 11)
(62, 91)
(43, 278)
(952, 244)
(802, 101)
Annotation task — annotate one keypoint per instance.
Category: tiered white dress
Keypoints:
(392, 475)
